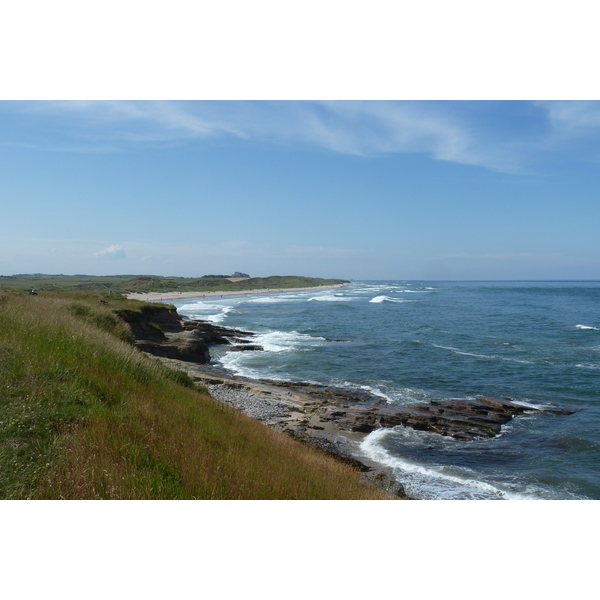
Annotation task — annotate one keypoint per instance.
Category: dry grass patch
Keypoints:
(189, 446)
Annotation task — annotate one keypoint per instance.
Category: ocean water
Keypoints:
(409, 341)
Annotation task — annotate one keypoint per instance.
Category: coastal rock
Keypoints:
(384, 479)
(144, 323)
(187, 350)
(459, 419)
(208, 333)
(161, 331)
(331, 392)
(246, 348)
(330, 418)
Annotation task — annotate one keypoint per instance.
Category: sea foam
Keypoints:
(330, 298)
(256, 364)
(379, 299)
(284, 341)
(219, 317)
(269, 300)
(205, 311)
(429, 482)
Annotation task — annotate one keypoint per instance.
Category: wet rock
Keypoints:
(162, 332)
(383, 479)
(459, 419)
(186, 350)
(246, 348)
(559, 411)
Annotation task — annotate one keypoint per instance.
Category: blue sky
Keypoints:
(352, 189)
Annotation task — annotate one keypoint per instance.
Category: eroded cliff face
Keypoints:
(150, 322)
(161, 331)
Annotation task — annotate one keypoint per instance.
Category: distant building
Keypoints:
(238, 274)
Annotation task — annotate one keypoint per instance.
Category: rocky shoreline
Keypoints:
(335, 420)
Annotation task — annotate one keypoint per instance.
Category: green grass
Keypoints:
(83, 414)
(146, 283)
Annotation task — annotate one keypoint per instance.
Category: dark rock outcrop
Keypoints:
(246, 348)
(144, 323)
(314, 408)
(459, 419)
(189, 350)
(161, 331)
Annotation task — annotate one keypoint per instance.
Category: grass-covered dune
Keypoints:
(150, 283)
(85, 415)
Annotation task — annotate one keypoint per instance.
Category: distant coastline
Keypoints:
(158, 296)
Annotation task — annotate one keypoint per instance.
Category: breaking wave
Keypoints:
(379, 299)
(330, 298)
(434, 482)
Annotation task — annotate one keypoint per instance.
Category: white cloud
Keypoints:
(136, 122)
(573, 117)
(347, 127)
(488, 135)
(113, 252)
(375, 127)
(363, 128)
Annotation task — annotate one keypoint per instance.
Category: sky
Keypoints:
(313, 138)
(350, 189)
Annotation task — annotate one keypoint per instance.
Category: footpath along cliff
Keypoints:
(332, 419)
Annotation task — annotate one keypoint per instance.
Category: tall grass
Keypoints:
(84, 415)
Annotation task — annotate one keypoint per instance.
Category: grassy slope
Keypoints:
(142, 283)
(83, 414)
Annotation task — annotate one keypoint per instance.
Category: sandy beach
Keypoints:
(158, 296)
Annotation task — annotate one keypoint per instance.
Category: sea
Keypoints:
(535, 342)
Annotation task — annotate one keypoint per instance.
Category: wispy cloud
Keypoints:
(574, 128)
(112, 252)
(107, 125)
(573, 118)
(371, 128)
(484, 134)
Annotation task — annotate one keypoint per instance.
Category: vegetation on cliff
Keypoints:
(84, 414)
(151, 283)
